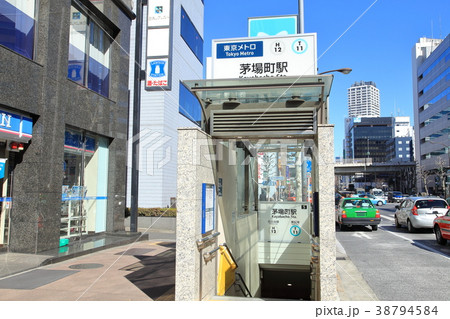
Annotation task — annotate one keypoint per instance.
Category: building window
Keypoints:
(89, 52)
(191, 36)
(189, 105)
(17, 26)
(84, 190)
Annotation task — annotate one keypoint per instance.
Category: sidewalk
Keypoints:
(126, 267)
(112, 272)
(351, 286)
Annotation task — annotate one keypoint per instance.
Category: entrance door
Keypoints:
(6, 178)
(85, 184)
(284, 209)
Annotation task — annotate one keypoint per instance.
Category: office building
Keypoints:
(172, 51)
(363, 100)
(381, 139)
(63, 108)
(431, 91)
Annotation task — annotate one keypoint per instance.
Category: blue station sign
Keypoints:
(240, 50)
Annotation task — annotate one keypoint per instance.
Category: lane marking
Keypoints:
(361, 235)
(428, 248)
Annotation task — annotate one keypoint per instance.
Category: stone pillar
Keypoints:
(325, 165)
(195, 279)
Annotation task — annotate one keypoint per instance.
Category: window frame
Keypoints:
(180, 106)
(199, 58)
(109, 30)
(35, 35)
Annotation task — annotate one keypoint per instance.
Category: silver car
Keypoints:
(419, 212)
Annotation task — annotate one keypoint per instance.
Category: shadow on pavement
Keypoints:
(155, 275)
(355, 228)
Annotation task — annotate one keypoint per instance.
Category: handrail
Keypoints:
(245, 286)
(201, 243)
(238, 274)
(211, 254)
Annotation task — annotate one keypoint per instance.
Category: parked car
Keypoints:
(441, 228)
(357, 211)
(419, 212)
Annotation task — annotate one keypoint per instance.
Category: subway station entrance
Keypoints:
(256, 180)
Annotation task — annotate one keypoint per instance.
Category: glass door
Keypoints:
(84, 190)
(6, 178)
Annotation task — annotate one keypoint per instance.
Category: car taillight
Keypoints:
(344, 215)
(414, 211)
(377, 214)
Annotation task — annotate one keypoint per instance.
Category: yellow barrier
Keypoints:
(226, 276)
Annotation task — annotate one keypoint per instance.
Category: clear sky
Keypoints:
(373, 37)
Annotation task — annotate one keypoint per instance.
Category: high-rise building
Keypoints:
(172, 51)
(363, 100)
(431, 90)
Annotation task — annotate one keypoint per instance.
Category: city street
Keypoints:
(396, 264)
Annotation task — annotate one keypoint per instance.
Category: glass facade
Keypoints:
(370, 142)
(84, 190)
(191, 36)
(17, 26)
(89, 57)
(189, 106)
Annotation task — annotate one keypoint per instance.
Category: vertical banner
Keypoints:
(208, 207)
(158, 56)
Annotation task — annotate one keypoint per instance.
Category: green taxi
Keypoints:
(357, 211)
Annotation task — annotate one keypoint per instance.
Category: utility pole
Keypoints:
(136, 118)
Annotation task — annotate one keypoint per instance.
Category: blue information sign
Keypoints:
(240, 50)
(208, 207)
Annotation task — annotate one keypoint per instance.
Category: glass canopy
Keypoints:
(311, 88)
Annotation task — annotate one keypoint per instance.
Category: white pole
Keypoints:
(300, 23)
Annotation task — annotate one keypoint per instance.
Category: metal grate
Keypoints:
(270, 122)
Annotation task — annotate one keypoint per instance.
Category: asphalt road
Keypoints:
(396, 264)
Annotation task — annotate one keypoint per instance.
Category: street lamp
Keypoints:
(343, 71)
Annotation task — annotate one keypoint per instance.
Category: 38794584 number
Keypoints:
(404, 310)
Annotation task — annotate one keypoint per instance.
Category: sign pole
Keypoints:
(300, 22)
(136, 119)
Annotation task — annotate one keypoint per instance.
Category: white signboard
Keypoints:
(287, 222)
(293, 55)
(158, 62)
(158, 13)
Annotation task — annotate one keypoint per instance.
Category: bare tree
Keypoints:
(423, 175)
(441, 172)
